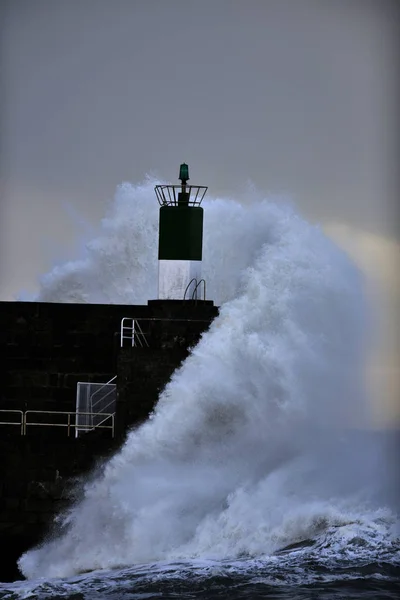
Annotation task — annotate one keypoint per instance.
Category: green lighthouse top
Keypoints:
(172, 195)
(184, 173)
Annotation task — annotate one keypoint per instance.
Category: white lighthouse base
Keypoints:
(174, 277)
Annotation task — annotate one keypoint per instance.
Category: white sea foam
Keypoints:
(246, 451)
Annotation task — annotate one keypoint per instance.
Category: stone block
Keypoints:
(12, 503)
(39, 505)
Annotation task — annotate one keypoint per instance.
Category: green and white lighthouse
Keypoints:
(180, 241)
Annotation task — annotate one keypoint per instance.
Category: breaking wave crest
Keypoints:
(249, 449)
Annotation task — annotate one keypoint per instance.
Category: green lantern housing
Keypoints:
(184, 173)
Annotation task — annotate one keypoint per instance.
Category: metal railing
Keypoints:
(102, 410)
(168, 195)
(69, 424)
(93, 400)
(138, 338)
(194, 295)
(196, 286)
(14, 412)
(135, 333)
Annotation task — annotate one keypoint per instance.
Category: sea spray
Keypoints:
(242, 454)
(119, 262)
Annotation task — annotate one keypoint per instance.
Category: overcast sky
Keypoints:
(298, 96)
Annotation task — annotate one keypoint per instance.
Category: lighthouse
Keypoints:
(180, 239)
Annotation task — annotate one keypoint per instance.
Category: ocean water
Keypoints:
(254, 476)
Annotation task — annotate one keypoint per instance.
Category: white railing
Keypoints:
(71, 420)
(106, 401)
(13, 412)
(131, 330)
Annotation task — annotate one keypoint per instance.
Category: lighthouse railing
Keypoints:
(168, 195)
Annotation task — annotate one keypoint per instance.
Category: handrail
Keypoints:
(188, 285)
(11, 410)
(24, 423)
(142, 341)
(132, 329)
(203, 281)
(99, 390)
(107, 405)
(197, 284)
(172, 320)
(103, 397)
(105, 419)
(69, 425)
(146, 343)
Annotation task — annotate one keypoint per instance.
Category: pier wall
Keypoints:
(48, 348)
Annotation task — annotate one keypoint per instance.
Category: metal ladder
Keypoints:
(131, 330)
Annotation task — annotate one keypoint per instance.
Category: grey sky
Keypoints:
(296, 95)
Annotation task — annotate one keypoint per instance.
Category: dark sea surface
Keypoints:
(294, 573)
